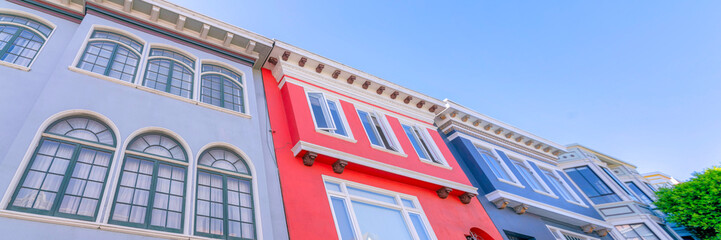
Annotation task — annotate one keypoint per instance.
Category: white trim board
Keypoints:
(301, 145)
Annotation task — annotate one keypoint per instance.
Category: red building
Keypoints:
(360, 158)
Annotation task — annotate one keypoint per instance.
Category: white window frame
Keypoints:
(392, 139)
(428, 140)
(344, 121)
(576, 198)
(351, 213)
(492, 149)
(559, 234)
(546, 189)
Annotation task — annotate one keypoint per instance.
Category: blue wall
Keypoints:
(30, 98)
(529, 224)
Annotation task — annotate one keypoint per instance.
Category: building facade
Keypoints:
(519, 182)
(133, 120)
(360, 158)
(622, 196)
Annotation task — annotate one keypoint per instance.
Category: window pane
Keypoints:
(319, 110)
(381, 132)
(370, 131)
(40, 186)
(494, 164)
(415, 142)
(342, 219)
(419, 226)
(592, 185)
(168, 198)
(337, 120)
(135, 192)
(380, 223)
(639, 193)
(332, 186)
(371, 195)
(558, 185)
(619, 183)
(529, 176)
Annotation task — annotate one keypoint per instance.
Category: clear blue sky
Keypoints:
(638, 80)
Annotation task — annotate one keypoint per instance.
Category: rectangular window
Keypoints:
(619, 183)
(560, 234)
(421, 143)
(363, 212)
(592, 185)
(639, 193)
(326, 114)
(637, 231)
(497, 167)
(529, 175)
(560, 185)
(376, 131)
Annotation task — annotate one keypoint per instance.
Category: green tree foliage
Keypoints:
(695, 204)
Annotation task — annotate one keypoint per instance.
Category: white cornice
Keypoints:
(310, 147)
(329, 67)
(601, 156)
(303, 74)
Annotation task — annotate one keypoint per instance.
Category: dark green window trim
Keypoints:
(185, 154)
(225, 206)
(222, 91)
(111, 59)
(169, 79)
(63, 186)
(151, 197)
(47, 130)
(5, 50)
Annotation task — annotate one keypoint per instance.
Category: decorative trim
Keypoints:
(317, 149)
(151, 90)
(339, 166)
(96, 225)
(451, 126)
(15, 66)
(443, 192)
(498, 194)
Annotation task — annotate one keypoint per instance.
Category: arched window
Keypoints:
(67, 173)
(112, 55)
(21, 39)
(151, 193)
(224, 196)
(222, 87)
(170, 72)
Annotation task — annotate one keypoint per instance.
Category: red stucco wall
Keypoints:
(307, 208)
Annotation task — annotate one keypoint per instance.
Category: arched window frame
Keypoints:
(173, 61)
(225, 174)
(111, 60)
(240, 83)
(69, 174)
(157, 160)
(4, 14)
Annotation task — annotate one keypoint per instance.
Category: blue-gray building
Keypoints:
(522, 188)
(620, 193)
(130, 119)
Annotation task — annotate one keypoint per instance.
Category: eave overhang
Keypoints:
(469, 121)
(286, 59)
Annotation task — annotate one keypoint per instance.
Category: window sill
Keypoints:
(436, 164)
(512, 183)
(151, 90)
(388, 151)
(577, 203)
(545, 193)
(15, 66)
(96, 225)
(341, 137)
